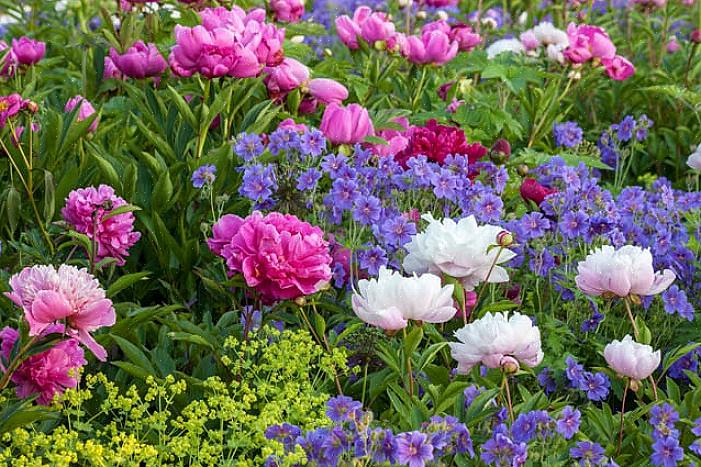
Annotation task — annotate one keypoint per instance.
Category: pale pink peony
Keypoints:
(47, 373)
(279, 256)
(85, 211)
(497, 341)
(623, 272)
(631, 359)
(69, 295)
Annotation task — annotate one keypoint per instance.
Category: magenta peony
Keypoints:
(278, 255)
(86, 110)
(47, 373)
(346, 125)
(618, 68)
(327, 90)
(85, 211)
(432, 47)
(10, 106)
(587, 43)
(287, 76)
(371, 26)
(68, 295)
(26, 51)
(139, 61)
(288, 11)
(436, 142)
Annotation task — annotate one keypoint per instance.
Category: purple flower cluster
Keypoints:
(666, 450)
(567, 134)
(351, 438)
(612, 142)
(596, 385)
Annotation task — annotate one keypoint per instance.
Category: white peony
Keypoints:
(391, 300)
(497, 341)
(631, 359)
(548, 34)
(460, 249)
(694, 160)
(505, 45)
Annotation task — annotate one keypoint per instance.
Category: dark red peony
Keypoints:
(531, 190)
(438, 141)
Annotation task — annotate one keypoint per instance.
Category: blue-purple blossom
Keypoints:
(546, 380)
(313, 143)
(567, 134)
(414, 449)
(342, 408)
(666, 452)
(248, 146)
(588, 453)
(568, 423)
(372, 260)
(204, 175)
(367, 210)
(675, 301)
(308, 179)
(596, 385)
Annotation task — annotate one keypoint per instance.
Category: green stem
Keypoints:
(409, 370)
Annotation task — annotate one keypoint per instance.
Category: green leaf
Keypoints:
(645, 336)
(132, 369)
(412, 340)
(49, 196)
(191, 338)
(183, 107)
(126, 281)
(135, 354)
(121, 210)
(23, 413)
(162, 192)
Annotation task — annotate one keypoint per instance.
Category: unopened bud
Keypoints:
(298, 39)
(635, 299)
(300, 301)
(33, 107)
(404, 3)
(380, 45)
(696, 36)
(510, 364)
(634, 385)
(500, 152)
(574, 75)
(421, 15)
(442, 15)
(522, 170)
(505, 238)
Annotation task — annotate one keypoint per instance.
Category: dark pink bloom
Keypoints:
(327, 91)
(531, 190)
(27, 51)
(434, 47)
(139, 61)
(69, 295)
(346, 125)
(466, 38)
(398, 140)
(440, 25)
(85, 211)
(47, 373)
(292, 125)
(110, 70)
(10, 106)
(308, 105)
(86, 110)
(618, 68)
(265, 41)
(370, 26)
(587, 43)
(376, 27)
(289, 75)
(436, 142)
(441, 3)
(278, 255)
(288, 11)
(220, 17)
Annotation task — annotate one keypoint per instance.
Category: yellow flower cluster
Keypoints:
(273, 378)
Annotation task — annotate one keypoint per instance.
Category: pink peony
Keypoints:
(288, 11)
(291, 124)
(7, 64)
(68, 295)
(287, 76)
(371, 26)
(398, 140)
(10, 106)
(85, 211)
(139, 61)
(265, 41)
(279, 256)
(621, 273)
(86, 110)
(346, 125)
(433, 47)
(588, 42)
(618, 68)
(47, 373)
(327, 90)
(110, 70)
(26, 51)
(466, 38)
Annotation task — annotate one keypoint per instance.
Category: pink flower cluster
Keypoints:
(138, 61)
(47, 373)
(228, 43)
(591, 43)
(86, 211)
(24, 51)
(437, 44)
(278, 255)
(69, 295)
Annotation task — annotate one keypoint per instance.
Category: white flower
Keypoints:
(548, 34)
(631, 359)
(622, 272)
(504, 45)
(555, 53)
(694, 160)
(496, 341)
(460, 249)
(391, 300)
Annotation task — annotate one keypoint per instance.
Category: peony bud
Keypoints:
(500, 152)
(696, 36)
(510, 364)
(522, 170)
(505, 239)
(300, 301)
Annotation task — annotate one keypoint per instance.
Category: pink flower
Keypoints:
(265, 41)
(110, 70)
(376, 28)
(618, 68)
(288, 11)
(398, 140)
(348, 31)
(69, 295)
(440, 25)
(220, 17)
(529, 40)
(327, 91)
(211, 53)
(673, 46)
(371, 26)
(289, 75)
(278, 255)
(631, 359)
(86, 110)
(587, 43)
(139, 61)
(441, 3)
(346, 125)
(27, 51)
(531, 190)
(47, 373)
(85, 211)
(621, 273)
(437, 141)
(10, 106)
(7, 65)
(434, 47)
(466, 38)
(291, 124)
